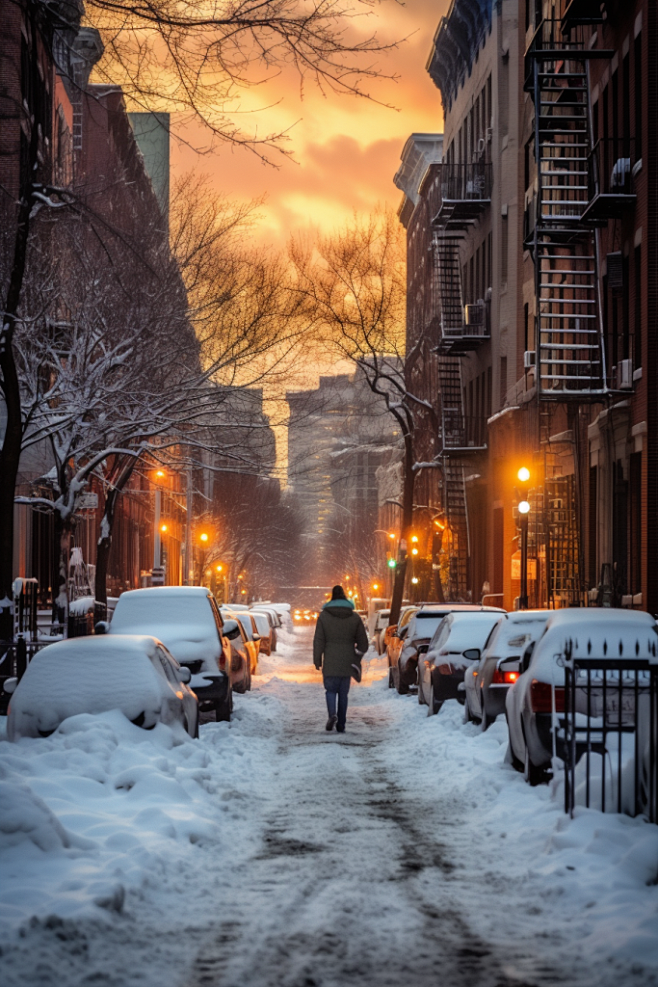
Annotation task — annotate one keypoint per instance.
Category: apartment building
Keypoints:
(544, 238)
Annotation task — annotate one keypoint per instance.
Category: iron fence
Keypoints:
(15, 656)
(609, 734)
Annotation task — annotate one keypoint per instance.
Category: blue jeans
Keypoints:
(337, 687)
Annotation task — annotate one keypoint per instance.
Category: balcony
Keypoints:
(465, 193)
(610, 179)
(464, 433)
(581, 12)
(475, 329)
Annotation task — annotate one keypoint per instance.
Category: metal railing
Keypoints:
(609, 734)
(463, 431)
(15, 656)
(611, 163)
(466, 182)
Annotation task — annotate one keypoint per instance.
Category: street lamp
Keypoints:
(523, 508)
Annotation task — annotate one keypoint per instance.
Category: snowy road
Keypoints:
(273, 854)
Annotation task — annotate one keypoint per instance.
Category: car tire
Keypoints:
(224, 707)
(533, 775)
(467, 713)
(430, 705)
(391, 682)
(403, 690)
(421, 695)
(486, 720)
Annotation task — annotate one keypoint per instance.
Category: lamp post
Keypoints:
(523, 508)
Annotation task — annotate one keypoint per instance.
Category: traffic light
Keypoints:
(392, 564)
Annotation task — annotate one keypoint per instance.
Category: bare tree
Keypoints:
(169, 55)
(355, 285)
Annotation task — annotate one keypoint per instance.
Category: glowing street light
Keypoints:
(524, 474)
(204, 537)
(414, 538)
(414, 551)
(163, 528)
(219, 568)
(414, 580)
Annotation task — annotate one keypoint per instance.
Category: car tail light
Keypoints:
(541, 699)
(446, 669)
(504, 678)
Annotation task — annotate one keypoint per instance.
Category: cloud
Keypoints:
(346, 150)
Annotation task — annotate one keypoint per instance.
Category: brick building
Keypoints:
(544, 243)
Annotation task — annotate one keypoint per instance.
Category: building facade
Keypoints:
(543, 235)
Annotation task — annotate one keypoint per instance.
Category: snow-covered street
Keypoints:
(270, 853)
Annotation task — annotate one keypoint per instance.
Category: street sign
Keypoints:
(87, 502)
(158, 576)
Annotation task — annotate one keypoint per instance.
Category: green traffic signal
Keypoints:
(391, 563)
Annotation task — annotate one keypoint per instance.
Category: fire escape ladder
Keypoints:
(570, 357)
(450, 285)
(453, 439)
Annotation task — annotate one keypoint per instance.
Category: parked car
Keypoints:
(394, 640)
(266, 622)
(248, 641)
(529, 705)
(263, 630)
(133, 673)
(486, 683)
(379, 625)
(422, 627)
(188, 621)
(456, 645)
(283, 610)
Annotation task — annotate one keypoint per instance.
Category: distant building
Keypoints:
(340, 434)
(152, 132)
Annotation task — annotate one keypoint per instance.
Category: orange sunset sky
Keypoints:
(346, 150)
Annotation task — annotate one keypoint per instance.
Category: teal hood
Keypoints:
(338, 603)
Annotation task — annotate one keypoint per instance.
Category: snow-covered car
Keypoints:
(275, 622)
(379, 625)
(265, 631)
(394, 639)
(94, 674)
(539, 690)
(422, 627)
(283, 610)
(188, 620)
(455, 647)
(486, 683)
(246, 640)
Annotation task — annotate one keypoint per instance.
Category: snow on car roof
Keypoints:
(165, 591)
(619, 635)
(188, 630)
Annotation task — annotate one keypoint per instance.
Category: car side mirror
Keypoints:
(256, 637)
(231, 630)
(102, 627)
(10, 685)
(184, 675)
(472, 654)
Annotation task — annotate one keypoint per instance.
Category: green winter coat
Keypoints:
(339, 634)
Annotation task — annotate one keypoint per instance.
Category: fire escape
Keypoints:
(465, 194)
(570, 356)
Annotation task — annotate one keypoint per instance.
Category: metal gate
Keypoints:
(610, 734)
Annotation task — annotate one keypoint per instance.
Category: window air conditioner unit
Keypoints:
(625, 375)
(489, 135)
(481, 145)
(529, 359)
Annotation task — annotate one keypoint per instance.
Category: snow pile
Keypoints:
(102, 809)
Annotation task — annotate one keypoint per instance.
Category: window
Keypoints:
(637, 320)
(498, 549)
(592, 571)
(503, 380)
(504, 250)
(637, 59)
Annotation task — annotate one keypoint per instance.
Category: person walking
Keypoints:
(340, 638)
